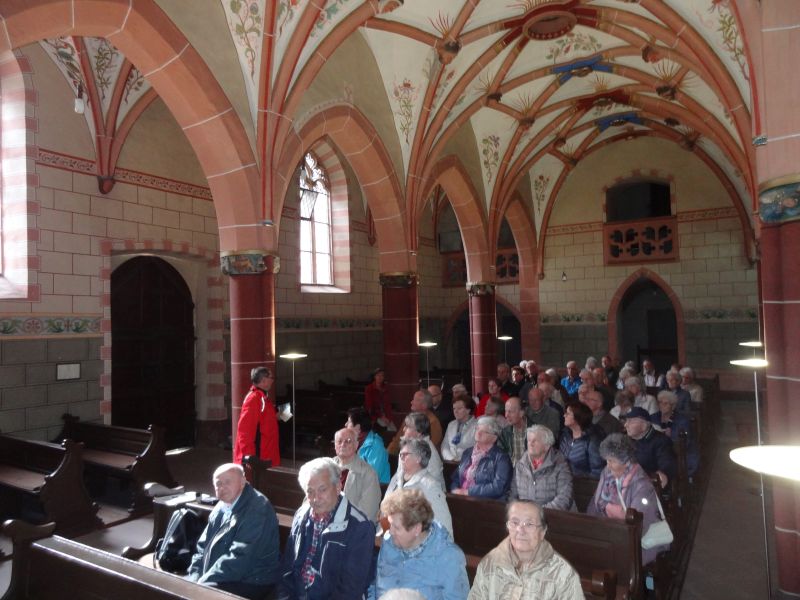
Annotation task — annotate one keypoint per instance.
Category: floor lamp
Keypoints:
(756, 363)
(294, 357)
(428, 346)
(505, 339)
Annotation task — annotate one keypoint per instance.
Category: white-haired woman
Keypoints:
(484, 470)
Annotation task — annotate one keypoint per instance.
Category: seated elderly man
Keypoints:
(605, 422)
(513, 437)
(524, 565)
(683, 398)
(326, 527)
(420, 402)
(361, 485)
(543, 475)
(484, 470)
(654, 450)
(540, 413)
(238, 550)
(688, 383)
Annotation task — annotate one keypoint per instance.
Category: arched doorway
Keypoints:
(152, 359)
(647, 325)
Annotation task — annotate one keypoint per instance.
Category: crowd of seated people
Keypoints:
(529, 460)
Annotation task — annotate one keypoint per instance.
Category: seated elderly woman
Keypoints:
(580, 441)
(417, 425)
(496, 408)
(524, 565)
(641, 398)
(623, 403)
(417, 552)
(673, 384)
(672, 422)
(460, 433)
(543, 475)
(484, 470)
(623, 485)
(412, 473)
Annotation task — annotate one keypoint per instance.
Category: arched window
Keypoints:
(316, 263)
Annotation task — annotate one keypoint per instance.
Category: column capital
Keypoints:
(779, 199)
(249, 262)
(480, 288)
(405, 279)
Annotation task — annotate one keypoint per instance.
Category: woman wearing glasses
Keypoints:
(524, 565)
(412, 473)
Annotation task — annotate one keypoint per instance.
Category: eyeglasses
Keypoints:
(343, 442)
(403, 455)
(526, 525)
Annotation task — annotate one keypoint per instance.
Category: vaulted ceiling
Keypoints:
(537, 84)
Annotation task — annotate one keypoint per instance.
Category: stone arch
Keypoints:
(616, 301)
(149, 39)
(524, 230)
(451, 175)
(17, 196)
(348, 130)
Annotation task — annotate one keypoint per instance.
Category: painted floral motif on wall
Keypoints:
(333, 323)
(67, 57)
(781, 203)
(286, 10)
(540, 187)
(571, 43)
(246, 24)
(30, 326)
(105, 61)
(134, 83)
(405, 95)
(727, 27)
(327, 14)
(490, 153)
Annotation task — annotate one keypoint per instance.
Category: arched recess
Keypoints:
(450, 174)
(347, 129)
(524, 230)
(149, 39)
(616, 303)
(18, 261)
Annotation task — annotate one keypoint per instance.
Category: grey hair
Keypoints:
(544, 434)
(673, 375)
(523, 502)
(626, 372)
(687, 371)
(489, 423)
(584, 372)
(317, 466)
(552, 372)
(618, 446)
(670, 396)
(420, 422)
(459, 388)
(402, 594)
(427, 399)
(591, 362)
(631, 365)
(634, 380)
(228, 467)
(419, 447)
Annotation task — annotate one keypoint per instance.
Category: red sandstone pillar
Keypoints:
(780, 245)
(400, 351)
(482, 334)
(252, 307)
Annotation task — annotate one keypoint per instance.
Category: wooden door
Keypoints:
(152, 327)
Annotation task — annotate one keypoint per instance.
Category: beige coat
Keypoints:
(549, 577)
(362, 489)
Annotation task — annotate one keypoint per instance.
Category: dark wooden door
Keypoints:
(152, 327)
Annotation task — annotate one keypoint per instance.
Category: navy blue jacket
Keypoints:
(492, 477)
(654, 452)
(239, 547)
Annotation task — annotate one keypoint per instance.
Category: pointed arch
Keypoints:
(152, 42)
(524, 230)
(616, 302)
(452, 176)
(347, 129)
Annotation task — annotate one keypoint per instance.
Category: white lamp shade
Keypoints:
(780, 461)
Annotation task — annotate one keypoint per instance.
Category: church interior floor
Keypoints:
(727, 560)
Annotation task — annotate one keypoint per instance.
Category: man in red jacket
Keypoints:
(258, 417)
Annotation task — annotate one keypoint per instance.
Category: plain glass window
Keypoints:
(316, 264)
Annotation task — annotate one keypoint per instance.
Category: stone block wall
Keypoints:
(32, 400)
(575, 341)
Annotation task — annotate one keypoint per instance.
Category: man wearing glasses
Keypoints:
(524, 565)
(359, 480)
(257, 430)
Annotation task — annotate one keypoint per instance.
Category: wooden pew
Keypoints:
(54, 568)
(137, 456)
(50, 476)
(583, 489)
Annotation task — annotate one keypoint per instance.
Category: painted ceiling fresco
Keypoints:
(541, 83)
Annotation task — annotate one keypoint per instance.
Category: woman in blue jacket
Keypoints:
(484, 470)
(580, 441)
(417, 553)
